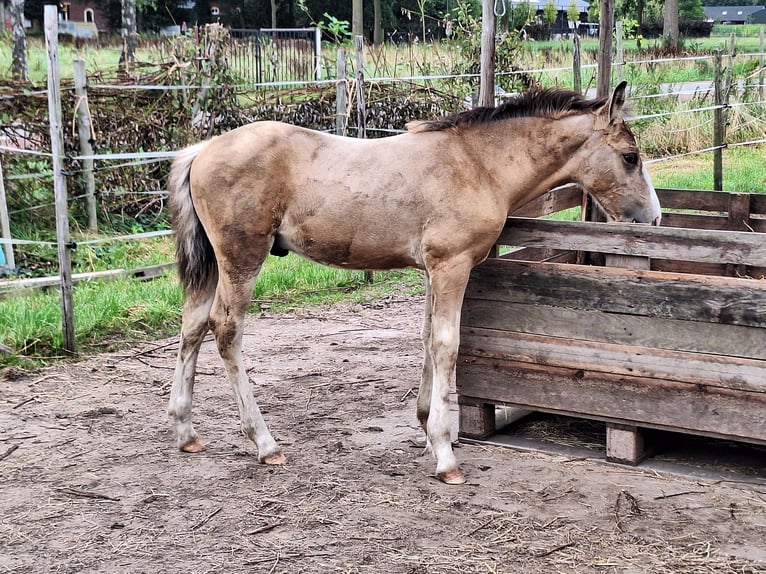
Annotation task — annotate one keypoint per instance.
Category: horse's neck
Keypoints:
(530, 156)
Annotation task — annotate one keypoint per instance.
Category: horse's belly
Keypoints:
(351, 251)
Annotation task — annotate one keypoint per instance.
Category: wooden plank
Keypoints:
(758, 203)
(693, 220)
(697, 199)
(739, 212)
(651, 403)
(677, 296)
(711, 246)
(534, 254)
(700, 369)
(706, 200)
(691, 267)
(622, 329)
(559, 199)
(14, 287)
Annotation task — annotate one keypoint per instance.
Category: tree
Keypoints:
(691, 9)
(550, 12)
(521, 14)
(19, 65)
(128, 33)
(357, 19)
(573, 13)
(670, 24)
(377, 25)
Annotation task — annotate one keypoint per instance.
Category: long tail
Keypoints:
(197, 265)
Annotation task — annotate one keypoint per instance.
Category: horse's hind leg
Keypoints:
(227, 323)
(424, 394)
(193, 331)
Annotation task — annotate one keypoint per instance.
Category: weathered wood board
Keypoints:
(673, 339)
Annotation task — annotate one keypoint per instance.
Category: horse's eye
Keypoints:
(631, 158)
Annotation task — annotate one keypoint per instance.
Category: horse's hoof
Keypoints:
(451, 477)
(194, 445)
(276, 458)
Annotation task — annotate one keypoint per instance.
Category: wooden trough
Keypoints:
(640, 327)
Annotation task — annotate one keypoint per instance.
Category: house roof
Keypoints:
(731, 13)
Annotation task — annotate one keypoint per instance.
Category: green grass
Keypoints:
(115, 314)
(744, 170)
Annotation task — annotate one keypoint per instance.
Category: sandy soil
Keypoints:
(90, 480)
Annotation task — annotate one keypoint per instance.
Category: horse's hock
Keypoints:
(640, 327)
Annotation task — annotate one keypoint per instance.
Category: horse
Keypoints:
(435, 197)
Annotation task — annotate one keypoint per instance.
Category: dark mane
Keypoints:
(533, 103)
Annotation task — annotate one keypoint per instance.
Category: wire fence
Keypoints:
(663, 98)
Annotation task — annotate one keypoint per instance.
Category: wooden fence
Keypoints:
(668, 333)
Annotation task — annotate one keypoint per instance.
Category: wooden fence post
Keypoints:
(59, 182)
(341, 103)
(487, 62)
(719, 125)
(5, 224)
(85, 132)
(317, 54)
(361, 112)
(760, 64)
(576, 64)
(606, 20)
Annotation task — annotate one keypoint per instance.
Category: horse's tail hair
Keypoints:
(197, 266)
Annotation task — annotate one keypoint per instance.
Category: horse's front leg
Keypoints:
(227, 323)
(448, 283)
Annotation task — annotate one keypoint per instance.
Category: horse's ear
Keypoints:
(617, 101)
(612, 110)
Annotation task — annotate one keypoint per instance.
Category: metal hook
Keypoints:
(499, 14)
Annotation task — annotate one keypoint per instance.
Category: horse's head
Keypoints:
(612, 170)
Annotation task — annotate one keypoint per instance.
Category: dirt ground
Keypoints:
(90, 480)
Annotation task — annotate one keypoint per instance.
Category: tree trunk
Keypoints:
(19, 68)
(377, 29)
(129, 34)
(274, 10)
(670, 23)
(357, 18)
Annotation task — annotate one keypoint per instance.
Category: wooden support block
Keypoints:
(624, 444)
(477, 420)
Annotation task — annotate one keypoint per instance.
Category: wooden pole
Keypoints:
(361, 115)
(576, 64)
(719, 121)
(606, 23)
(85, 132)
(59, 182)
(341, 103)
(5, 224)
(361, 112)
(620, 51)
(487, 62)
(760, 63)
